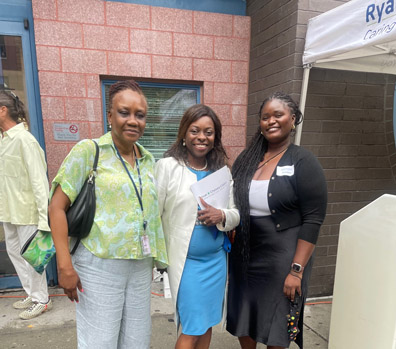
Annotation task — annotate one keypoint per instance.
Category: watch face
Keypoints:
(296, 267)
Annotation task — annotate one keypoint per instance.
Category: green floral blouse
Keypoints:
(118, 224)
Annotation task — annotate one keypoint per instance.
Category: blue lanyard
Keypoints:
(133, 182)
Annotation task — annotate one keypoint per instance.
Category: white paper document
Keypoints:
(214, 189)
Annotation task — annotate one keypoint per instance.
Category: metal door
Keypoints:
(18, 73)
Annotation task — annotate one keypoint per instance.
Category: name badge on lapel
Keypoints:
(285, 170)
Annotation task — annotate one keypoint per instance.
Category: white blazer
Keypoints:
(178, 210)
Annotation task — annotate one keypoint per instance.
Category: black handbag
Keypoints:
(80, 215)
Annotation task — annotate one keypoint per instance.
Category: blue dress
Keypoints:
(201, 291)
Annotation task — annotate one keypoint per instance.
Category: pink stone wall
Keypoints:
(79, 41)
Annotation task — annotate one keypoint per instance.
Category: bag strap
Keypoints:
(94, 167)
(95, 164)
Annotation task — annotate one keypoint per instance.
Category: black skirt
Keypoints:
(257, 306)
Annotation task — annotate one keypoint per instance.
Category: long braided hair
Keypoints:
(243, 171)
(15, 107)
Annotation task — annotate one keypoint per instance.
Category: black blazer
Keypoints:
(297, 193)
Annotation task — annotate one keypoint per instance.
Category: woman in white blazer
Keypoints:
(195, 236)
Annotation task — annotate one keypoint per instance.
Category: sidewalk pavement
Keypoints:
(56, 328)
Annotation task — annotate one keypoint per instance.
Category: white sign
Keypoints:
(66, 132)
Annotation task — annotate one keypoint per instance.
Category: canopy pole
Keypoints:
(303, 98)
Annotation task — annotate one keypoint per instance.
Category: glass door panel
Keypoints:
(12, 68)
(16, 75)
(12, 78)
(18, 72)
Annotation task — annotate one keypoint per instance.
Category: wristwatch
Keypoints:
(297, 268)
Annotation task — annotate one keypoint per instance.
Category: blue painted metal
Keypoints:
(104, 115)
(10, 282)
(231, 7)
(17, 29)
(13, 281)
(144, 84)
(12, 16)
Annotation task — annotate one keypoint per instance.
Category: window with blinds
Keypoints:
(166, 105)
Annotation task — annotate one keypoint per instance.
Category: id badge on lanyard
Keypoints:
(144, 239)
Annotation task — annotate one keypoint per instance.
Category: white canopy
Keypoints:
(359, 35)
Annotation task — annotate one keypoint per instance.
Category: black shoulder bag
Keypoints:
(80, 215)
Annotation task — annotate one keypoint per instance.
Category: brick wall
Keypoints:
(272, 56)
(348, 126)
(348, 118)
(277, 44)
(78, 42)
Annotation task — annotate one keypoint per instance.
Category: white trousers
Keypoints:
(114, 307)
(34, 284)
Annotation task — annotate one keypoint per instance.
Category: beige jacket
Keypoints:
(178, 210)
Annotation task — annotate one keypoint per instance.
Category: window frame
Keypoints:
(105, 82)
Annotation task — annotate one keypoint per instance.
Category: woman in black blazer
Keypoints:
(281, 193)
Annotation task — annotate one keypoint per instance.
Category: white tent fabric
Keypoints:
(359, 35)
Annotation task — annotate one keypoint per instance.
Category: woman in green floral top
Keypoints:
(109, 276)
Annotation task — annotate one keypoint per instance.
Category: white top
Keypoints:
(258, 199)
